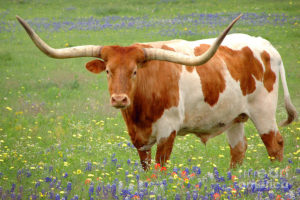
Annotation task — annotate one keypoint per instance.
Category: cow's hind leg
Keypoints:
(164, 148)
(266, 125)
(238, 144)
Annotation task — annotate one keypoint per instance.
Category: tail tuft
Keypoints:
(291, 111)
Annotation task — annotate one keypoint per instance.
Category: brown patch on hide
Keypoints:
(274, 144)
(211, 76)
(164, 149)
(238, 153)
(243, 67)
(269, 75)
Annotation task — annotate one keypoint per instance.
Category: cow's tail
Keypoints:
(290, 108)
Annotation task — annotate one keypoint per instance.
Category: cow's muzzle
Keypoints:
(119, 100)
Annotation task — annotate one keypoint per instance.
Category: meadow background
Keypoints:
(60, 139)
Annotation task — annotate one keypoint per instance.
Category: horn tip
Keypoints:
(18, 17)
(21, 21)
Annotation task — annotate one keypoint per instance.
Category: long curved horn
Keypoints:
(165, 55)
(71, 52)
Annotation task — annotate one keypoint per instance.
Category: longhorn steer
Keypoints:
(171, 88)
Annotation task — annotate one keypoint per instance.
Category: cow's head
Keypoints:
(121, 63)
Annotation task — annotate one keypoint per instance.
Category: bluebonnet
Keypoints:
(69, 186)
(88, 166)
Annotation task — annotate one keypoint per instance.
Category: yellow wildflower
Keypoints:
(9, 108)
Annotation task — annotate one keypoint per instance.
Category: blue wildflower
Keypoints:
(37, 184)
(48, 179)
(188, 195)
(28, 174)
(65, 175)
(13, 187)
(113, 190)
(177, 197)
(91, 190)
(13, 196)
(89, 166)
(187, 171)
(105, 191)
(195, 195)
(69, 186)
(197, 170)
(229, 175)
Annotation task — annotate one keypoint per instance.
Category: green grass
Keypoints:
(55, 114)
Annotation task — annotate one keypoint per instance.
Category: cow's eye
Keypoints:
(134, 73)
(107, 71)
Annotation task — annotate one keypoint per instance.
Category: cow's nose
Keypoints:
(119, 100)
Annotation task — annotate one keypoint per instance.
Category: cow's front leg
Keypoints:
(164, 148)
(238, 144)
(145, 157)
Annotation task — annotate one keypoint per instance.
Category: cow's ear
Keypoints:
(95, 66)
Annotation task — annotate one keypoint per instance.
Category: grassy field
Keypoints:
(60, 139)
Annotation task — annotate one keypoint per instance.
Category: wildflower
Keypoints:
(153, 176)
(78, 171)
(163, 169)
(87, 181)
(91, 189)
(157, 166)
(217, 196)
(186, 180)
(177, 197)
(42, 195)
(48, 179)
(8, 108)
(89, 166)
(195, 195)
(69, 186)
(234, 178)
(136, 197)
(183, 174)
(65, 175)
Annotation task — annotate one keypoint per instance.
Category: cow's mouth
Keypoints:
(120, 106)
